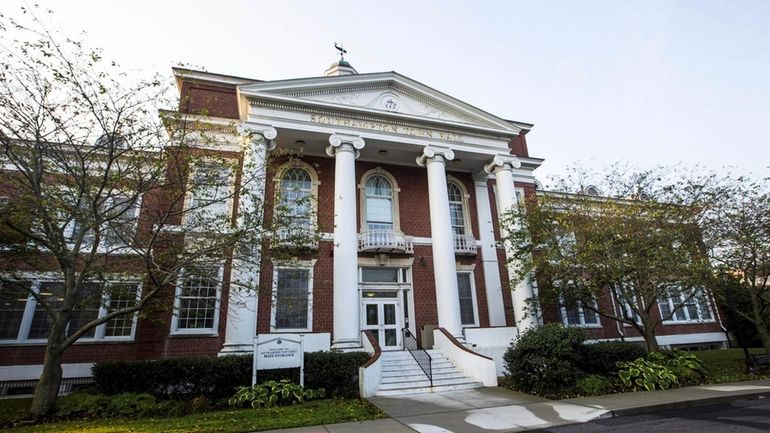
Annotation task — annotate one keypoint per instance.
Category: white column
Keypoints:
(244, 275)
(347, 333)
(492, 283)
(502, 166)
(444, 266)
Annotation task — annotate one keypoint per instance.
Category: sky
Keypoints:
(675, 83)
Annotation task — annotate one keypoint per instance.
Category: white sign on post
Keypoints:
(278, 352)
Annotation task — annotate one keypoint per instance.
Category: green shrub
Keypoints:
(602, 358)
(646, 374)
(82, 405)
(544, 360)
(217, 378)
(274, 394)
(594, 384)
(131, 405)
(687, 366)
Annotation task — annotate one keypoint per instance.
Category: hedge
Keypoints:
(218, 377)
(603, 357)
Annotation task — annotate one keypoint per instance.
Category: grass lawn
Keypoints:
(225, 421)
(727, 365)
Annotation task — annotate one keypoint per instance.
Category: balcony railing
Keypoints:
(465, 245)
(385, 241)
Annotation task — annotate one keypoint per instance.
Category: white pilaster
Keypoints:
(344, 149)
(502, 166)
(444, 267)
(492, 283)
(244, 277)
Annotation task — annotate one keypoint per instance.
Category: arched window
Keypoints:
(296, 196)
(379, 203)
(456, 208)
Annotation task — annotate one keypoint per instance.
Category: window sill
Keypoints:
(203, 333)
(688, 322)
(290, 331)
(7, 343)
(599, 326)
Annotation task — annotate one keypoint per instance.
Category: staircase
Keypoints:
(402, 375)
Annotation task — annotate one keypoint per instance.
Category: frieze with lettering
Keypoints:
(385, 127)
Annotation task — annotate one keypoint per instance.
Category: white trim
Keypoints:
(465, 203)
(214, 330)
(308, 265)
(679, 339)
(673, 320)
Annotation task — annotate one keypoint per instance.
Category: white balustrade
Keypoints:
(385, 240)
(465, 245)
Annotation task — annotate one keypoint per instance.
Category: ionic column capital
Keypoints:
(340, 142)
(502, 162)
(434, 153)
(258, 134)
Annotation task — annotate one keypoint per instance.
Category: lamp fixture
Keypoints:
(382, 152)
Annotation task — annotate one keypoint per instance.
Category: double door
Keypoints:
(383, 318)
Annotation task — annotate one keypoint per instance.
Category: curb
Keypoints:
(686, 404)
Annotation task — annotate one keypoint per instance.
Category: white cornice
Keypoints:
(273, 90)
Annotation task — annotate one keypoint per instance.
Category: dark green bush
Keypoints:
(82, 405)
(594, 384)
(274, 393)
(217, 378)
(602, 358)
(544, 360)
(131, 405)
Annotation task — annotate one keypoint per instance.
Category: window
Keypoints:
(120, 213)
(685, 306)
(575, 313)
(23, 319)
(211, 193)
(198, 301)
(465, 289)
(296, 194)
(380, 275)
(456, 208)
(292, 294)
(379, 203)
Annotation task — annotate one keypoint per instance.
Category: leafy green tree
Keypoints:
(737, 236)
(617, 245)
(100, 183)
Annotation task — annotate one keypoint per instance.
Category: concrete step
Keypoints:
(412, 378)
(426, 389)
(409, 362)
(416, 370)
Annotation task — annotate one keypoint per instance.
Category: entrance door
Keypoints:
(382, 318)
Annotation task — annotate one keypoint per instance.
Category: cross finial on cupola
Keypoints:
(341, 67)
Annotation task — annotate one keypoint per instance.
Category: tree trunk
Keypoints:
(47, 389)
(764, 335)
(650, 341)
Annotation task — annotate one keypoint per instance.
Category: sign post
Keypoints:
(278, 352)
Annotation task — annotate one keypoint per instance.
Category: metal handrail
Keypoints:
(419, 354)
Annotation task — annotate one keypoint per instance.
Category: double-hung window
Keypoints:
(24, 320)
(197, 301)
(379, 203)
(295, 201)
(292, 293)
(456, 209)
(685, 306)
(211, 191)
(119, 215)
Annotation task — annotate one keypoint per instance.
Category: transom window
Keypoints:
(686, 307)
(379, 203)
(382, 275)
(198, 301)
(292, 299)
(456, 208)
(23, 319)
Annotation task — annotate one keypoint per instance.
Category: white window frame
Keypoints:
(37, 279)
(673, 320)
(307, 265)
(465, 203)
(470, 269)
(190, 196)
(214, 330)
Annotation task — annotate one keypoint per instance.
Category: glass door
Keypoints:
(381, 317)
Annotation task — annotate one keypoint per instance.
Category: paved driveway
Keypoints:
(482, 410)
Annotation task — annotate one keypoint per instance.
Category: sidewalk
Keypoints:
(499, 410)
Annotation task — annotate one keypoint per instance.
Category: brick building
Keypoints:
(407, 185)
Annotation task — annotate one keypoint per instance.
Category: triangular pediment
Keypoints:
(386, 94)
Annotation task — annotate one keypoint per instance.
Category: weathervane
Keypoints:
(341, 50)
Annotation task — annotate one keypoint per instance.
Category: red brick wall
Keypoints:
(209, 99)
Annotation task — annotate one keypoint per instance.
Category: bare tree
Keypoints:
(737, 233)
(101, 187)
(618, 246)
